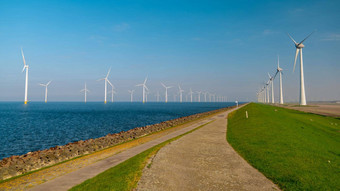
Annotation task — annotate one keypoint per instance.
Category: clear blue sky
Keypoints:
(226, 47)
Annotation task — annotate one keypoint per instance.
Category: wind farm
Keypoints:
(150, 95)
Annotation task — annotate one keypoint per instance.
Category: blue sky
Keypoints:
(225, 47)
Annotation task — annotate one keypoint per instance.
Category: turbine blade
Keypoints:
(23, 57)
(296, 55)
(292, 39)
(146, 88)
(163, 85)
(101, 79)
(306, 37)
(23, 68)
(108, 73)
(139, 84)
(146, 78)
(48, 82)
(110, 84)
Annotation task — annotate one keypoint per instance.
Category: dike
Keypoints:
(18, 165)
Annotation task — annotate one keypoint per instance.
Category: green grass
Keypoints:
(125, 175)
(296, 150)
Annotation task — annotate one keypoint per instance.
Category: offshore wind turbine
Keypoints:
(144, 88)
(25, 68)
(46, 85)
(279, 71)
(85, 90)
(112, 90)
(157, 95)
(205, 96)
(199, 95)
(190, 92)
(180, 93)
(131, 95)
(166, 91)
(106, 81)
(271, 81)
(299, 47)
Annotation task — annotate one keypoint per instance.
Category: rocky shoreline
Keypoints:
(17, 165)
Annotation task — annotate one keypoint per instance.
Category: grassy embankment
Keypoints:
(126, 175)
(296, 150)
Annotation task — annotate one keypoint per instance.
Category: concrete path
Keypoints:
(202, 160)
(74, 178)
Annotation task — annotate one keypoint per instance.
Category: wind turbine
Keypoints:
(190, 92)
(279, 70)
(112, 90)
(271, 81)
(205, 96)
(144, 88)
(46, 85)
(106, 81)
(25, 67)
(85, 90)
(199, 95)
(166, 91)
(131, 95)
(299, 47)
(180, 93)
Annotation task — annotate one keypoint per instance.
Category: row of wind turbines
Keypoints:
(263, 93)
(208, 97)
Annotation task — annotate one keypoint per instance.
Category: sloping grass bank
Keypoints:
(296, 150)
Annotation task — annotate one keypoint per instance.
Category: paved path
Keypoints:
(69, 180)
(202, 160)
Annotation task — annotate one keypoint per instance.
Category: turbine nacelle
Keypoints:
(299, 45)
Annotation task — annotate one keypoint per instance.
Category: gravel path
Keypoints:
(202, 160)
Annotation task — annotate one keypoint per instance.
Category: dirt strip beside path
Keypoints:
(202, 160)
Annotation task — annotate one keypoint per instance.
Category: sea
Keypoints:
(38, 126)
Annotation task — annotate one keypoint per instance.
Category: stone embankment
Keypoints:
(17, 165)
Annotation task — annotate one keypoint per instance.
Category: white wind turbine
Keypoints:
(199, 95)
(205, 96)
(46, 85)
(180, 93)
(279, 70)
(26, 81)
(131, 95)
(157, 95)
(112, 90)
(271, 81)
(166, 91)
(299, 47)
(106, 81)
(190, 92)
(144, 88)
(85, 90)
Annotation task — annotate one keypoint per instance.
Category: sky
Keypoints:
(223, 47)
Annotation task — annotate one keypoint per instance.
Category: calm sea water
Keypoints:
(37, 126)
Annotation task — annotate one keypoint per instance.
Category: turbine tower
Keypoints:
(190, 92)
(131, 95)
(106, 80)
(279, 70)
(25, 68)
(166, 91)
(271, 81)
(46, 85)
(299, 47)
(85, 90)
(199, 95)
(112, 90)
(180, 93)
(144, 88)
